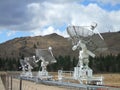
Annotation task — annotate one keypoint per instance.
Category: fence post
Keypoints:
(7, 82)
(11, 82)
(20, 83)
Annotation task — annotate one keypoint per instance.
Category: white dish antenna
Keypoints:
(46, 54)
(31, 61)
(87, 34)
(88, 42)
(23, 64)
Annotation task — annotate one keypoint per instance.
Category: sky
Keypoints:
(21, 18)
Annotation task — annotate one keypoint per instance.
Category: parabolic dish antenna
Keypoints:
(22, 62)
(31, 61)
(88, 42)
(46, 54)
(94, 41)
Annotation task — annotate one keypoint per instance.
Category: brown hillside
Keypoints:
(25, 46)
(113, 42)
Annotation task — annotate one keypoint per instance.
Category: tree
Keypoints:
(34, 46)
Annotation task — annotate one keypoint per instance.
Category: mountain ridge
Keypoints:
(25, 46)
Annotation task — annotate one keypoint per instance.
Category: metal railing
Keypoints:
(14, 82)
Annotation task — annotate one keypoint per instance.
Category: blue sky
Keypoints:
(8, 35)
(106, 6)
(41, 17)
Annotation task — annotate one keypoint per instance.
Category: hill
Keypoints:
(25, 46)
(113, 42)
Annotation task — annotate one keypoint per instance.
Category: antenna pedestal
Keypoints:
(26, 74)
(80, 72)
(46, 57)
(43, 75)
(84, 75)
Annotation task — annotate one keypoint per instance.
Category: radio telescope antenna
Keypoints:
(93, 26)
(31, 61)
(89, 43)
(87, 35)
(46, 56)
(23, 66)
(27, 65)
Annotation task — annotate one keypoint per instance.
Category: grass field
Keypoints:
(111, 79)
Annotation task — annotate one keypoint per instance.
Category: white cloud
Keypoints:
(48, 30)
(10, 33)
(74, 14)
(36, 16)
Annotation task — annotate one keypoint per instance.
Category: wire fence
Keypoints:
(11, 83)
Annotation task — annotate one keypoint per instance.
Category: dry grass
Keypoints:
(2, 72)
(1, 85)
(27, 85)
(111, 79)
